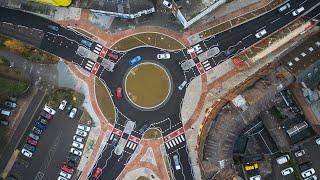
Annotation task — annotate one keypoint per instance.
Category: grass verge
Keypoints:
(73, 97)
(152, 133)
(142, 178)
(104, 101)
(11, 87)
(151, 39)
(28, 52)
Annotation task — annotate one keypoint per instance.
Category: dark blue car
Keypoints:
(135, 60)
(40, 125)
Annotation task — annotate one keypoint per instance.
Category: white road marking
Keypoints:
(275, 20)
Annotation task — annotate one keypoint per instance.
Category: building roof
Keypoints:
(116, 6)
(303, 56)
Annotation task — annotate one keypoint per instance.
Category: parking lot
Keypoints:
(52, 149)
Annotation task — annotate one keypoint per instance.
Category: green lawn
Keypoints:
(152, 133)
(105, 101)
(11, 87)
(151, 39)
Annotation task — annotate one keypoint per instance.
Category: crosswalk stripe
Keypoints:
(134, 146)
(167, 145)
(206, 65)
(207, 68)
(90, 62)
(95, 51)
(205, 62)
(176, 140)
(179, 139)
(128, 144)
(170, 144)
(174, 143)
(89, 65)
(111, 136)
(131, 144)
(99, 45)
(88, 68)
(200, 51)
(182, 138)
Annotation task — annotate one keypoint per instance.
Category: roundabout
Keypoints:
(147, 86)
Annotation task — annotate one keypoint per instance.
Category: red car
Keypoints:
(97, 173)
(32, 141)
(119, 92)
(67, 169)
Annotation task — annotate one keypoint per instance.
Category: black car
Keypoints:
(69, 107)
(74, 158)
(46, 115)
(29, 147)
(36, 130)
(71, 163)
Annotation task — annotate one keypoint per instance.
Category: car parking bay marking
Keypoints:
(39, 176)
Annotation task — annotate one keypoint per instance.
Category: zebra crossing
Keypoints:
(173, 142)
(97, 49)
(131, 145)
(89, 65)
(206, 65)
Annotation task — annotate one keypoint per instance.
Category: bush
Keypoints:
(73, 97)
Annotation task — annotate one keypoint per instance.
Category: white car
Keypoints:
(167, 4)
(182, 85)
(284, 7)
(176, 162)
(26, 153)
(75, 151)
(307, 173)
(84, 128)
(257, 177)
(81, 133)
(283, 159)
(61, 178)
(49, 110)
(297, 11)
(314, 177)
(299, 153)
(261, 33)
(73, 112)
(65, 175)
(77, 145)
(318, 141)
(287, 171)
(78, 139)
(163, 56)
(62, 104)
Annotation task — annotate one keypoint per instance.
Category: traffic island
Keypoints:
(147, 86)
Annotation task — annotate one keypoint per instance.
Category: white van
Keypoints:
(176, 162)
(283, 159)
(5, 112)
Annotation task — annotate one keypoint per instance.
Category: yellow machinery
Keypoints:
(63, 3)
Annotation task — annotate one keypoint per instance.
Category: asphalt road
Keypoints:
(64, 43)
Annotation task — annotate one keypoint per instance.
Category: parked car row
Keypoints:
(307, 172)
(34, 136)
(75, 152)
(9, 105)
(71, 110)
